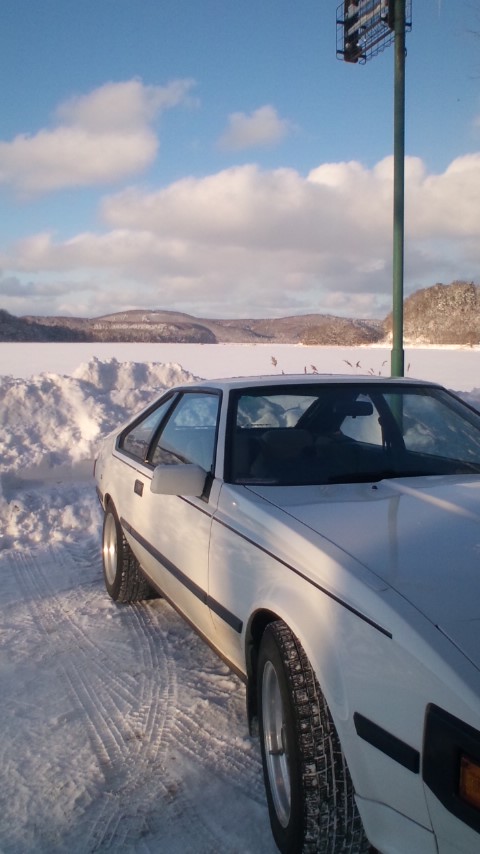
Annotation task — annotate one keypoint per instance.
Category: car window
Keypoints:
(304, 435)
(432, 425)
(349, 433)
(136, 440)
(272, 410)
(189, 434)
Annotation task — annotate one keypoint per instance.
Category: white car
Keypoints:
(322, 534)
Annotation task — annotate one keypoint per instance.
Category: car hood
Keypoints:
(421, 536)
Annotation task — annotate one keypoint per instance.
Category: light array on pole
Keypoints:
(366, 27)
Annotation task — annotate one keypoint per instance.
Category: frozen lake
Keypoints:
(455, 367)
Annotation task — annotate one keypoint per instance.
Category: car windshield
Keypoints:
(342, 433)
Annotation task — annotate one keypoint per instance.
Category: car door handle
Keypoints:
(138, 487)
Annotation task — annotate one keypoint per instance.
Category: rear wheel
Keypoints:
(309, 789)
(121, 571)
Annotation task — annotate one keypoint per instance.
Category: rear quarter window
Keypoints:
(136, 440)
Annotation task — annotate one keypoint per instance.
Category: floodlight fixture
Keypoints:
(366, 27)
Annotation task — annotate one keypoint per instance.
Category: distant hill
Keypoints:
(39, 329)
(176, 327)
(442, 314)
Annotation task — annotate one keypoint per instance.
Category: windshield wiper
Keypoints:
(386, 474)
(374, 476)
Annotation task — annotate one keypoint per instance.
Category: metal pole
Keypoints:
(397, 357)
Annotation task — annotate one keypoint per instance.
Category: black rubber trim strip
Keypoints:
(389, 744)
(307, 579)
(227, 616)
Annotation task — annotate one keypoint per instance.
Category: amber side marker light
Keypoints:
(469, 789)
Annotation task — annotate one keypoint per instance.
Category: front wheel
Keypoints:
(309, 789)
(121, 571)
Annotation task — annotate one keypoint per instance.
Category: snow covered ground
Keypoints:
(120, 730)
(212, 360)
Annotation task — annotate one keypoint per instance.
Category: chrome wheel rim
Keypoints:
(275, 744)
(110, 549)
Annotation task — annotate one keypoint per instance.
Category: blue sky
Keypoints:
(216, 158)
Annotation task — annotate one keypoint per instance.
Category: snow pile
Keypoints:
(50, 426)
(57, 420)
(35, 513)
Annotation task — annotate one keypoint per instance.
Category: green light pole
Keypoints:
(397, 356)
(364, 29)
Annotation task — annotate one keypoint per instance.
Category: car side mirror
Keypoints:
(183, 479)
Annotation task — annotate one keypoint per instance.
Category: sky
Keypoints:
(217, 158)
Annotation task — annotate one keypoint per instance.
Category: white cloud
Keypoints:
(263, 127)
(101, 138)
(253, 242)
(73, 157)
(447, 205)
(124, 106)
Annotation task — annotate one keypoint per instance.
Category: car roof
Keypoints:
(269, 380)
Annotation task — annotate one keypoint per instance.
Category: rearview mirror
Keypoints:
(182, 479)
(353, 408)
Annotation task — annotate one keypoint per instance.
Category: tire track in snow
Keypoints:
(121, 711)
(222, 754)
(126, 689)
(179, 810)
(212, 685)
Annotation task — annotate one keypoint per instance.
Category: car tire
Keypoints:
(123, 577)
(309, 789)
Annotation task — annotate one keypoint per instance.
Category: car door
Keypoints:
(170, 533)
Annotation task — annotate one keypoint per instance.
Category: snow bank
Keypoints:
(49, 429)
(56, 420)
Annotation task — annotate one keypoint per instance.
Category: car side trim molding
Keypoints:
(308, 580)
(231, 619)
(389, 744)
